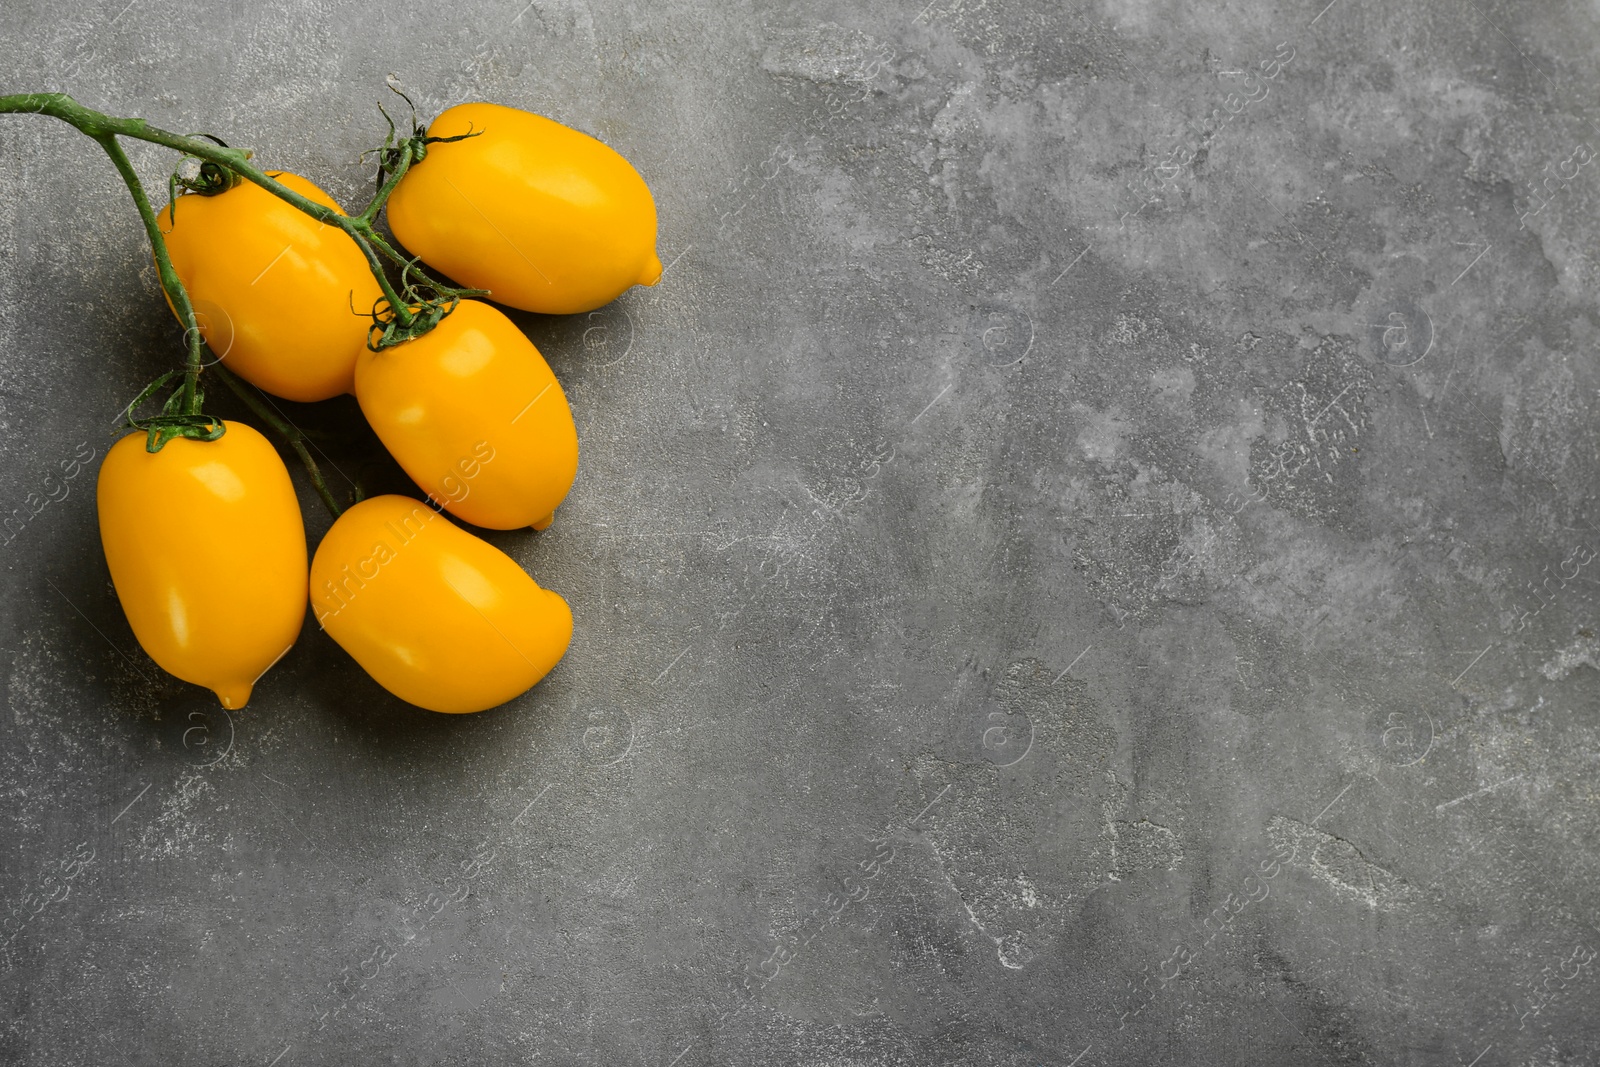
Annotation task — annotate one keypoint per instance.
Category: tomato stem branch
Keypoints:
(287, 430)
(169, 275)
(100, 126)
(382, 245)
(402, 163)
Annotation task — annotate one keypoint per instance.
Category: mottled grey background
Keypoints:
(1087, 557)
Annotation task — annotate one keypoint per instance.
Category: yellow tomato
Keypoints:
(438, 617)
(475, 415)
(546, 218)
(207, 553)
(273, 288)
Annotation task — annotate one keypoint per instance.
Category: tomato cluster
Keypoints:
(540, 216)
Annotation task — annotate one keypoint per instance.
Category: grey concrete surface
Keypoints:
(1087, 557)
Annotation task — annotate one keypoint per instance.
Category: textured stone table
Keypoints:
(1088, 556)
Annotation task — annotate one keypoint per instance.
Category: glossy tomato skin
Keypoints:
(208, 555)
(273, 288)
(475, 415)
(438, 617)
(546, 218)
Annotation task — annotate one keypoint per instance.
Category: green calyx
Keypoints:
(387, 330)
(428, 301)
(398, 153)
(203, 176)
(172, 423)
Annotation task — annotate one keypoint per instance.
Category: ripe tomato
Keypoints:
(273, 288)
(438, 617)
(546, 218)
(475, 415)
(207, 553)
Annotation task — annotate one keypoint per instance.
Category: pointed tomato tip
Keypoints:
(544, 523)
(234, 697)
(652, 270)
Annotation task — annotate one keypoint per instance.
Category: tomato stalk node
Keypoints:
(202, 176)
(173, 422)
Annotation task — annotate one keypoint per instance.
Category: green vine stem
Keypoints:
(396, 319)
(286, 429)
(397, 161)
(403, 311)
(170, 282)
(181, 415)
